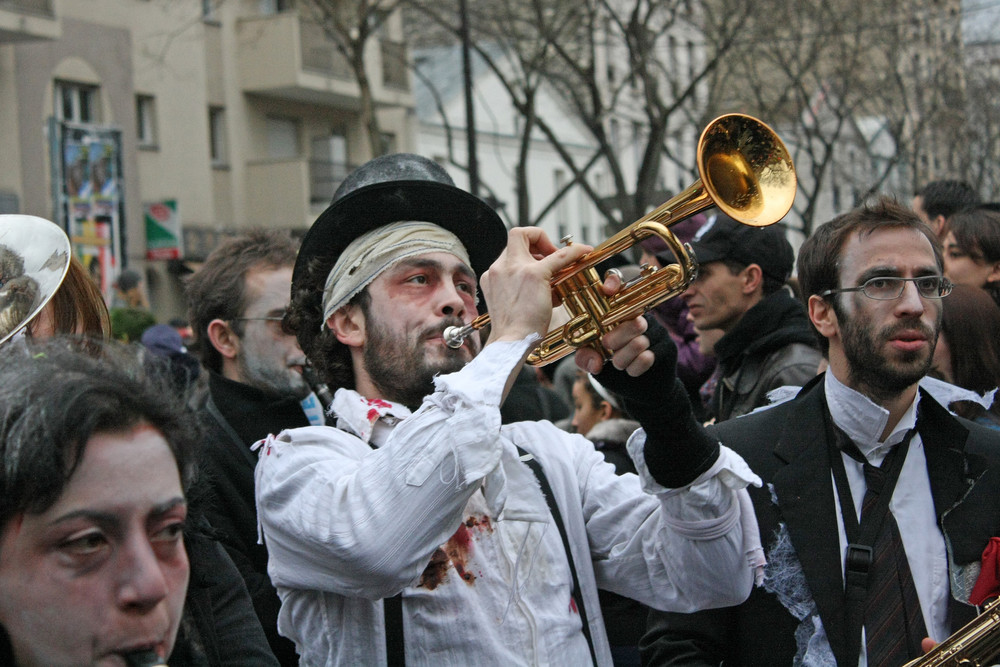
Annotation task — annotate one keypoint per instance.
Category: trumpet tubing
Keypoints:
(744, 170)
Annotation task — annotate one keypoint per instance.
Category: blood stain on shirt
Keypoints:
(435, 571)
(455, 552)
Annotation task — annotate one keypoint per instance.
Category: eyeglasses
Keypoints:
(887, 288)
(279, 319)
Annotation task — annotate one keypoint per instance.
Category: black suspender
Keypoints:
(550, 498)
(392, 608)
(395, 648)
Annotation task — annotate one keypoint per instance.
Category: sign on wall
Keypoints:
(163, 229)
(88, 187)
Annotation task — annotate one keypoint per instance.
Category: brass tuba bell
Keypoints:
(744, 170)
(34, 259)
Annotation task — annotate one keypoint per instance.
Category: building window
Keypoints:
(217, 136)
(583, 214)
(328, 165)
(268, 7)
(76, 102)
(692, 64)
(145, 119)
(562, 205)
(282, 138)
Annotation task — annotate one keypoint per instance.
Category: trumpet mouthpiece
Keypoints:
(455, 336)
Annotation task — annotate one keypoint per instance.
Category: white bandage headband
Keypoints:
(369, 255)
(604, 393)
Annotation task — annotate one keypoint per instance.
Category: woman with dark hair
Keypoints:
(69, 362)
(968, 349)
(95, 468)
(972, 249)
(101, 560)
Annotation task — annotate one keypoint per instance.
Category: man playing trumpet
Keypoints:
(420, 530)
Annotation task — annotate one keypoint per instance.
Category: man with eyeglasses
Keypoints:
(236, 302)
(878, 503)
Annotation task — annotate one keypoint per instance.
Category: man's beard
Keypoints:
(400, 368)
(262, 374)
(870, 371)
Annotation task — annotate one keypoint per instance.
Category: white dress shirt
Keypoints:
(353, 514)
(912, 504)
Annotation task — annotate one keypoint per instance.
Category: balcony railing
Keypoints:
(319, 53)
(324, 179)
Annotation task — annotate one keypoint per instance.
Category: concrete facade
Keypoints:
(250, 115)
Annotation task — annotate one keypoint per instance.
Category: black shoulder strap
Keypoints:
(395, 649)
(550, 498)
(861, 534)
(213, 410)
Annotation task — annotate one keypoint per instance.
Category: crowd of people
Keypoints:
(767, 469)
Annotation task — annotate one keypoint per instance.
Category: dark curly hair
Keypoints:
(330, 358)
(55, 396)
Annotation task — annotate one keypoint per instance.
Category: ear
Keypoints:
(348, 325)
(606, 410)
(223, 339)
(753, 278)
(823, 317)
(939, 224)
(994, 274)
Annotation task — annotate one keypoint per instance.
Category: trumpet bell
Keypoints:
(34, 259)
(746, 170)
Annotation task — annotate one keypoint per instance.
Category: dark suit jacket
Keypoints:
(787, 446)
(235, 416)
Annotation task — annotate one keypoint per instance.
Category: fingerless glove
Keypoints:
(677, 448)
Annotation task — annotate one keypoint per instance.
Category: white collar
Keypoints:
(361, 416)
(863, 421)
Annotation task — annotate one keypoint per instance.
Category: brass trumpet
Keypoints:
(744, 169)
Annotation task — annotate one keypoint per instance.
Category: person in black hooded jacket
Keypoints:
(768, 340)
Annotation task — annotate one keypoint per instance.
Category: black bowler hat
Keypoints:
(723, 238)
(395, 188)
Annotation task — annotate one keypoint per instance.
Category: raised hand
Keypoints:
(517, 286)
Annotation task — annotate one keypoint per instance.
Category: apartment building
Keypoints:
(150, 129)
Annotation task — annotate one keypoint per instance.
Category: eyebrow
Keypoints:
(891, 271)
(425, 263)
(112, 519)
